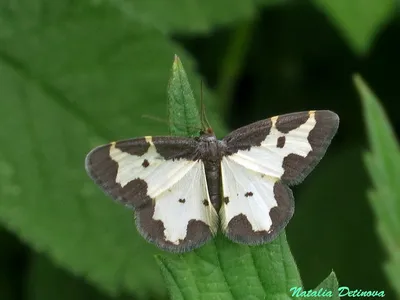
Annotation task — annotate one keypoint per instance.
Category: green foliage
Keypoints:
(329, 284)
(47, 282)
(224, 270)
(189, 16)
(383, 163)
(184, 121)
(71, 91)
(359, 21)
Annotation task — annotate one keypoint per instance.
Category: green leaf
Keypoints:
(181, 16)
(326, 289)
(224, 270)
(273, 2)
(195, 16)
(184, 118)
(66, 87)
(383, 164)
(47, 282)
(358, 20)
(331, 284)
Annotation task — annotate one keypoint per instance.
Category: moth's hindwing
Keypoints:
(161, 179)
(264, 158)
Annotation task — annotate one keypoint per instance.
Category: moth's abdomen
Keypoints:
(213, 171)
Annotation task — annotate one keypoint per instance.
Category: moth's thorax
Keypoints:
(210, 147)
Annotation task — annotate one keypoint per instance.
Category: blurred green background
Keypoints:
(74, 75)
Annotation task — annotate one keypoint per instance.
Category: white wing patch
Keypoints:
(187, 200)
(178, 189)
(268, 158)
(160, 174)
(249, 193)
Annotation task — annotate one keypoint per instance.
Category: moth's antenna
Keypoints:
(203, 116)
(157, 119)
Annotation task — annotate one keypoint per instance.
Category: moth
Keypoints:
(184, 189)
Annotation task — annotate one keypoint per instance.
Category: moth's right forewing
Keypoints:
(262, 159)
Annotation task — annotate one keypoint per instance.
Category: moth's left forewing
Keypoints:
(165, 184)
(269, 155)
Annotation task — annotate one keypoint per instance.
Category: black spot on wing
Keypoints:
(240, 230)
(296, 167)
(226, 200)
(205, 202)
(145, 163)
(280, 143)
(248, 194)
(182, 200)
(288, 122)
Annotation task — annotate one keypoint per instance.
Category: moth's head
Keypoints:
(207, 130)
(207, 134)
